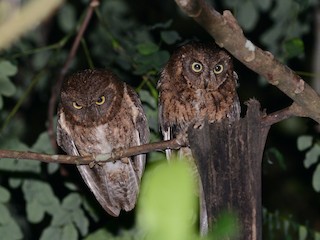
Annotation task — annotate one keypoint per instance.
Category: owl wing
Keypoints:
(103, 184)
(92, 176)
(142, 135)
(64, 140)
(163, 125)
(115, 184)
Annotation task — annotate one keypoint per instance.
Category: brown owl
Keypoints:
(97, 113)
(197, 83)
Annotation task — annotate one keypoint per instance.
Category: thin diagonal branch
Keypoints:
(72, 53)
(115, 155)
(283, 114)
(228, 34)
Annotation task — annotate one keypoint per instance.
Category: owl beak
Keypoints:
(208, 82)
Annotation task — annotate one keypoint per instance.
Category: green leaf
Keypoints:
(159, 59)
(61, 217)
(312, 156)
(6, 87)
(4, 195)
(167, 204)
(71, 186)
(15, 182)
(52, 167)
(69, 232)
(294, 47)
(162, 25)
(43, 144)
(5, 216)
(51, 233)
(263, 5)
(247, 15)
(304, 142)
(9, 229)
(316, 179)
(146, 97)
(35, 212)
(11, 232)
(170, 37)
(71, 202)
(81, 221)
(35, 190)
(147, 48)
(7, 68)
(21, 165)
(303, 232)
(100, 234)
(67, 17)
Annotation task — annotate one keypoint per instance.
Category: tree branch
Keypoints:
(56, 88)
(115, 155)
(283, 114)
(228, 34)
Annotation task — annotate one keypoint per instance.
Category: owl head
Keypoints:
(200, 66)
(91, 97)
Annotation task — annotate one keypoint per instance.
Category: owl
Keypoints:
(197, 83)
(96, 114)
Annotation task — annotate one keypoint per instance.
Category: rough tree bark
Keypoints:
(229, 159)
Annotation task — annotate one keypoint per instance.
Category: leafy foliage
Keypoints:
(49, 201)
(312, 152)
(7, 88)
(279, 227)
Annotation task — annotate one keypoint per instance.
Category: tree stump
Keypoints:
(228, 157)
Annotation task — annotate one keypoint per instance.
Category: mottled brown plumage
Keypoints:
(188, 97)
(197, 83)
(97, 113)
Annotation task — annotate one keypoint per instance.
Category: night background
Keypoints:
(135, 40)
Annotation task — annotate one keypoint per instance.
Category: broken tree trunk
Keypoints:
(229, 156)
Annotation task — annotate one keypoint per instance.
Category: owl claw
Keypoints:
(124, 160)
(198, 125)
(92, 164)
(117, 153)
(182, 139)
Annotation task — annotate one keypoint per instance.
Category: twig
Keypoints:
(115, 155)
(228, 34)
(278, 116)
(56, 88)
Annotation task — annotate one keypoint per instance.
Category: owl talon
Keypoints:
(124, 160)
(182, 139)
(117, 153)
(92, 164)
(198, 125)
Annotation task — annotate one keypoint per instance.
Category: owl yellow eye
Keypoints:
(218, 69)
(76, 105)
(101, 100)
(196, 67)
